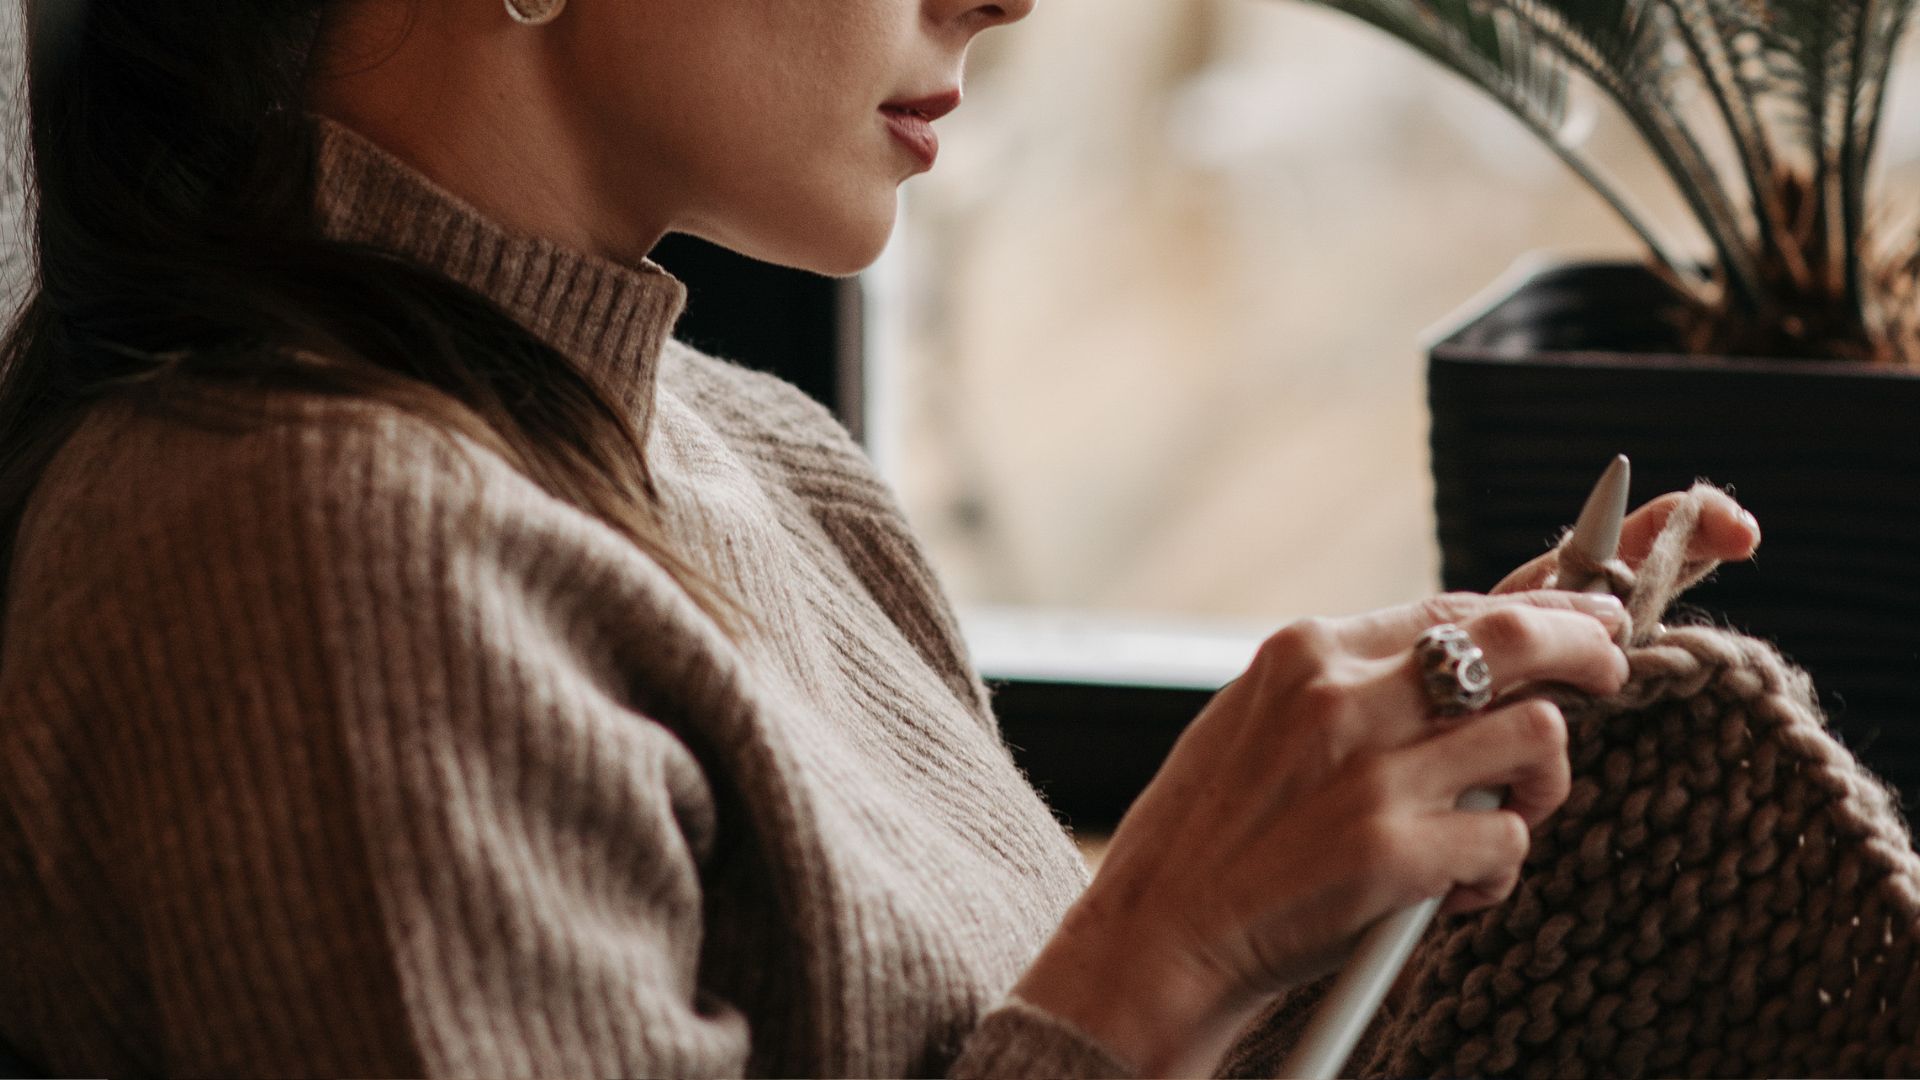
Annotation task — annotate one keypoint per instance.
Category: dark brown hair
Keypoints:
(177, 249)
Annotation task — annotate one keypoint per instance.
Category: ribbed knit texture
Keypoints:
(338, 747)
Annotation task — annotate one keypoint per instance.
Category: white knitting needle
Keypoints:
(1383, 951)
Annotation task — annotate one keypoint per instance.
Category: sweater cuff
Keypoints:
(1021, 1040)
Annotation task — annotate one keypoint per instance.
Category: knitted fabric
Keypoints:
(1726, 891)
(333, 745)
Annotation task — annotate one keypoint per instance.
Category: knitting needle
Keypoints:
(1597, 534)
(1383, 951)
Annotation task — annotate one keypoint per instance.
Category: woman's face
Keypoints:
(762, 125)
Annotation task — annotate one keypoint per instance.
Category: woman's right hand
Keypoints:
(1314, 795)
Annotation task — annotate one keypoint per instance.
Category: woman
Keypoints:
(415, 662)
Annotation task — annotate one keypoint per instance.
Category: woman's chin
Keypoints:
(848, 261)
(831, 244)
(840, 252)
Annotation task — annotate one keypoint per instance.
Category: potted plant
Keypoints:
(1783, 359)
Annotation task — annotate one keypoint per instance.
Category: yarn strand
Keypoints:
(1726, 892)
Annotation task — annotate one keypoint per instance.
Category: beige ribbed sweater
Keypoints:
(338, 747)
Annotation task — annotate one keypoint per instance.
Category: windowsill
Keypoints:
(1091, 703)
(1091, 648)
(1093, 846)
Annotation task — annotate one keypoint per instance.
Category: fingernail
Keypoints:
(1752, 523)
(1603, 606)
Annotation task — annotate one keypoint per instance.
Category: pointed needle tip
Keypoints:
(1597, 533)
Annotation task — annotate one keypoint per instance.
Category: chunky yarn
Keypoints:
(1727, 892)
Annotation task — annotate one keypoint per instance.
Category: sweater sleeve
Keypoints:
(382, 805)
(1018, 1039)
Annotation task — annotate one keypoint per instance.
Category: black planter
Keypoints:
(1532, 397)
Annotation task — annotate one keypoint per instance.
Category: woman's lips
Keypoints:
(914, 131)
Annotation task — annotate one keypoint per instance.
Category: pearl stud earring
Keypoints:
(535, 12)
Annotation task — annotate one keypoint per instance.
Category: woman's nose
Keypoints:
(977, 16)
(1010, 11)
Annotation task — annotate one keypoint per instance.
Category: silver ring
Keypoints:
(1453, 671)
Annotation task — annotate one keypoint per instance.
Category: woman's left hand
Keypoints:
(1727, 533)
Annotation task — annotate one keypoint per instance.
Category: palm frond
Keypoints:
(1617, 43)
(1622, 46)
(1812, 42)
(1882, 31)
(1713, 35)
(1882, 27)
(1798, 88)
(1503, 56)
(1523, 52)
(1825, 67)
(1468, 38)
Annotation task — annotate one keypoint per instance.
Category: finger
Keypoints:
(1496, 886)
(1526, 645)
(1354, 703)
(1476, 857)
(1522, 646)
(1727, 532)
(1388, 633)
(1535, 574)
(1522, 748)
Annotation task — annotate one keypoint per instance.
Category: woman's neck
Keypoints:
(471, 103)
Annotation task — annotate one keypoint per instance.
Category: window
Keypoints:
(1146, 360)
(1156, 361)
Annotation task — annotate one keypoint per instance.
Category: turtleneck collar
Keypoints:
(609, 318)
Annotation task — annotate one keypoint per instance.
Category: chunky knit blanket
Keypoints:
(1727, 892)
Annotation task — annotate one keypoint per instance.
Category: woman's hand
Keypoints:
(1727, 534)
(1312, 796)
(1315, 794)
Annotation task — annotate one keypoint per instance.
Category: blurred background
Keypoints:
(1155, 342)
(1147, 351)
